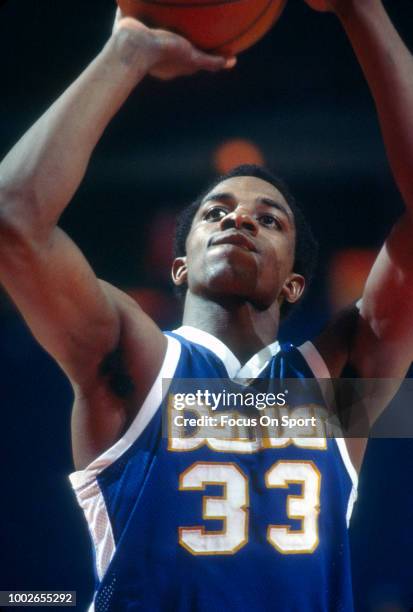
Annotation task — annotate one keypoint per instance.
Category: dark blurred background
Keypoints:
(298, 101)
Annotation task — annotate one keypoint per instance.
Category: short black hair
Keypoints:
(306, 246)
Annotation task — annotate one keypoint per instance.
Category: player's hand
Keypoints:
(335, 6)
(118, 16)
(168, 55)
(319, 5)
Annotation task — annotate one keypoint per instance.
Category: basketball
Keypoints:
(224, 27)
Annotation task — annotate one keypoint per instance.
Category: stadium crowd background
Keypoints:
(297, 101)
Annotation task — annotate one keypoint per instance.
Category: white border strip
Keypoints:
(320, 370)
(315, 361)
(94, 508)
(253, 368)
(342, 447)
(213, 344)
(149, 408)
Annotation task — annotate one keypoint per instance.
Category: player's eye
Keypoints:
(215, 214)
(269, 221)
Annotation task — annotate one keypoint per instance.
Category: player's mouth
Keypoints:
(235, 238)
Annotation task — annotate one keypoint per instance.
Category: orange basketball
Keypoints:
(224, 27)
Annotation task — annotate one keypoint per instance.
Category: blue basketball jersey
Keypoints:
(201, 525)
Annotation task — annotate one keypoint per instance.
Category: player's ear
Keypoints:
(179, 271)
(293, 288)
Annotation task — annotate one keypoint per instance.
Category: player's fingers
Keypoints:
(319, 5)
(230, 63)
(118, 17)
(206, 61)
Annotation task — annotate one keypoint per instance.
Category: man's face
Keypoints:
(241, 244)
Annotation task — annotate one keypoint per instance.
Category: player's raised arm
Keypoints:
(78, 319)
(388, 67)
(380, 344)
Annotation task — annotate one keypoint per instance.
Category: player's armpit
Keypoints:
(104, 411)
(132, 366)
(335, 341)
(375, 337)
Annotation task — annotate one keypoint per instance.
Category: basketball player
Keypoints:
(199, 526)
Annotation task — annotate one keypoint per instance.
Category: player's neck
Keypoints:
(241, 327)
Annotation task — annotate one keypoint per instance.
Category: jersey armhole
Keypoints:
(150, 406)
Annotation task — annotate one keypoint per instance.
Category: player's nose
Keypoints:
(241, 219)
